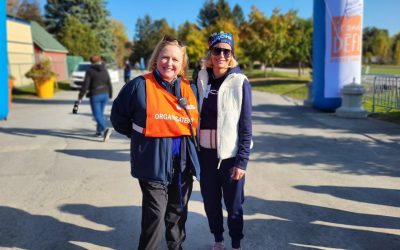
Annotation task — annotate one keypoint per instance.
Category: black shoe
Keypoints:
(107, 134)
(98, 134)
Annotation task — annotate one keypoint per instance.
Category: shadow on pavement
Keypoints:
(379, 196)
(101, 154)
(296, 116)
(39, 101)
(299, 224)
(53, 101)
(19, 229)
(290, 225)
(305, 224)
(345, 154)
(81, 134)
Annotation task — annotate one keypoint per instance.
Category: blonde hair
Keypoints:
(167, 40)
(208, 62)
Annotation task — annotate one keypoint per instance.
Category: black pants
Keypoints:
(127, 79)
(168, 204)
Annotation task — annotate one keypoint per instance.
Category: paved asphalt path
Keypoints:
(315, 181)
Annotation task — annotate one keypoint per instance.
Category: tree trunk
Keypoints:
(299, 69)
(264, 65)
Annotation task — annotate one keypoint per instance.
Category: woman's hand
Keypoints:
(237, 173)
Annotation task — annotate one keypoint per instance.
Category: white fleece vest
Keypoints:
(229, 106)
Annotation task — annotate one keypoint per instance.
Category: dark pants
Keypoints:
(215, 184)
(164, 204)
(127, 78)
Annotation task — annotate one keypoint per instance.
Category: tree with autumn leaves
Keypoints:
(268, 40)
(282, 38)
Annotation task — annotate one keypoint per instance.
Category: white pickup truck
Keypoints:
(78, 75)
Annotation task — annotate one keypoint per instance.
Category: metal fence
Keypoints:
(382, 90)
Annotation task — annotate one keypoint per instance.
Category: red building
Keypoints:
(46, 45)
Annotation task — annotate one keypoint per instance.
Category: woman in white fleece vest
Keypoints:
(225, 137)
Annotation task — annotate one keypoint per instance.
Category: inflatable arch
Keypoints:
(337, 50)
(4, 105)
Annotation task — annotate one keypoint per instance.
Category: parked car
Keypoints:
(78, 75)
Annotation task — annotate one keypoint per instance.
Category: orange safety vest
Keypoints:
(165, 118)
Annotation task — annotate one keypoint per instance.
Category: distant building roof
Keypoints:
(45, 40)
(17, 19)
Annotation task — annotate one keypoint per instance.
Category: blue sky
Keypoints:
(379, 13)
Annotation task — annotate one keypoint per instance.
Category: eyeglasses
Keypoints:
(168, 38)
(215, 51)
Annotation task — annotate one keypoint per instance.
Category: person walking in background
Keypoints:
(197, 68)
(127, 71)
(150, 111)
(97, 86)
(225, 137)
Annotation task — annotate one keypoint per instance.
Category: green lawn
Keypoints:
(383, 69)
(256, 73)
(297, 88)
(293, 88)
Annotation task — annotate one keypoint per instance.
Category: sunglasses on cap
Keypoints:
(168, 38)
(215, 51)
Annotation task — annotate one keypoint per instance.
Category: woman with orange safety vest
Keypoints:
(158, 112)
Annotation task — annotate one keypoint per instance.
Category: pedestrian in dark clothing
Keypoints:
(97, 86)
(196, 69)
(225, 137)
(163, 152)
(127, 71)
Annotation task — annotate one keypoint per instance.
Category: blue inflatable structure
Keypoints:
(4, 98)
(318, 85)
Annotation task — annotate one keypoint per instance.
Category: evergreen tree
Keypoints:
(148, 34)
(208, 14)
(238, 16)
(224, 10)
(79, 38)
(92, 13)
(212, 12)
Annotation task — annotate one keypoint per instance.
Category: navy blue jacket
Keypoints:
(209, 115)
(151, 158)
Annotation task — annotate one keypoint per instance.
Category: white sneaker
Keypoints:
(107, 134)
(218, 246)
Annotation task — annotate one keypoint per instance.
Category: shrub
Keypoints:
(41, 70)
